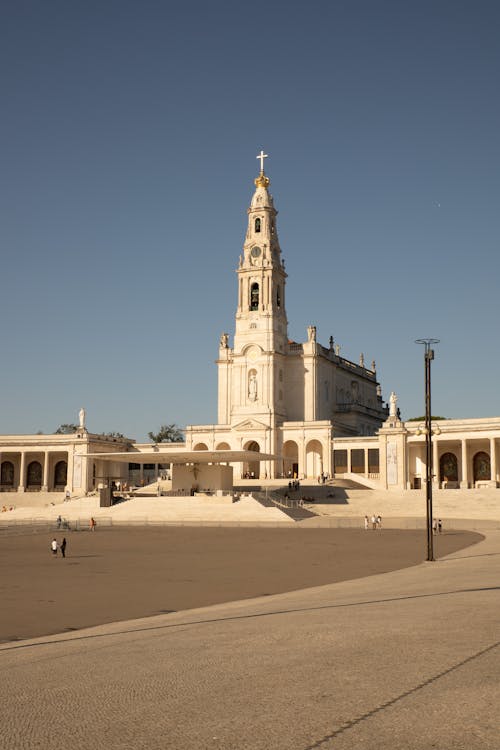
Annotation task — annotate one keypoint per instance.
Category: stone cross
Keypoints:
(262, 156)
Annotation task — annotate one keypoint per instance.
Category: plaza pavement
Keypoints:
(408, 660)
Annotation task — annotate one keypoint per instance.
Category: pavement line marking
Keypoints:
(368, 715)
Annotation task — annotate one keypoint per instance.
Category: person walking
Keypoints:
(92, 524)
(53, 547)
(379, 521)
(440, 526)
(62, 547)
(374, 522)
(366, 523)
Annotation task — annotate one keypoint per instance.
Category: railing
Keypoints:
(356, 406)
(278, 500)
(43, 525)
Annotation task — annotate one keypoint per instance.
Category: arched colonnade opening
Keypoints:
(251, 469)
(290, 459)
(314, 459)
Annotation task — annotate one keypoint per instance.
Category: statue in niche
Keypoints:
(81, 418)
(311, 333)
(224, 339)
(393, 400)
(252, 386)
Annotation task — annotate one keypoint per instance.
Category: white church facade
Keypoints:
(307, 411)
(275, 395)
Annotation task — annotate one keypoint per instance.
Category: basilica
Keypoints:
(275, 395)
(286, 409)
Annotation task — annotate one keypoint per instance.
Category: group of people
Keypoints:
(375, 521)
(54, 546)
(437, 526)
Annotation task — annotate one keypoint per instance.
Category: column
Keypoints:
(367, 468)
(22, 473)
(493, 460)
(435, 462)
(349, 462)
(45, 478)
(464, 484)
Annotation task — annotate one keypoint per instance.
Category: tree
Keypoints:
(112, 434)
(66, 429)
(168, 433)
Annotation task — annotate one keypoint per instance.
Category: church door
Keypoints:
(34, 475)
(448, 467)
(7, 475)
(60, 474)
(481, 466)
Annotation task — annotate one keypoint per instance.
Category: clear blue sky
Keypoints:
(129, 132)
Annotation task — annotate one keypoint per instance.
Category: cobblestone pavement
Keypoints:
(408, 659)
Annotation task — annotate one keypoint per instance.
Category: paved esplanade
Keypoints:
(409, 659)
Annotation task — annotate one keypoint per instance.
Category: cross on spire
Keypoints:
(262, 156)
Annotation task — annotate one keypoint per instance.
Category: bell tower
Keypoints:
(260, 315)
(252, 372)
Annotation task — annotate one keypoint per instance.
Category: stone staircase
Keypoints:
(276, 500)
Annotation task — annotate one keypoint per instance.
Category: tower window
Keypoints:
(257, 225)
(254, 297)
(278, 297)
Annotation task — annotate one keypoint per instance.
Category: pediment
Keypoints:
(250, 424)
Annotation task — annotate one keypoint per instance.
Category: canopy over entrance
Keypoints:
(184, 457)
(191, 470)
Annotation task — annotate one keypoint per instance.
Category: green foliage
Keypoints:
(422, 419)
(112, 434)
(168, 433)
(66, 429)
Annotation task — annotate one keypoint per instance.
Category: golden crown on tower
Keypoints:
(262, 180)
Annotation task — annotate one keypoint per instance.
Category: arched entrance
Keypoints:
(200, 447)
(251, 469)
(291, 459)
(34, 476)
(314, 459)
(7, 475)
(481, 467)
(448, 467)
(61, 475)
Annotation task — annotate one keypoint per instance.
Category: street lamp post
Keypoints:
(428, 357)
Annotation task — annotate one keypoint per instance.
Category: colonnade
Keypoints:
(39, 470)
